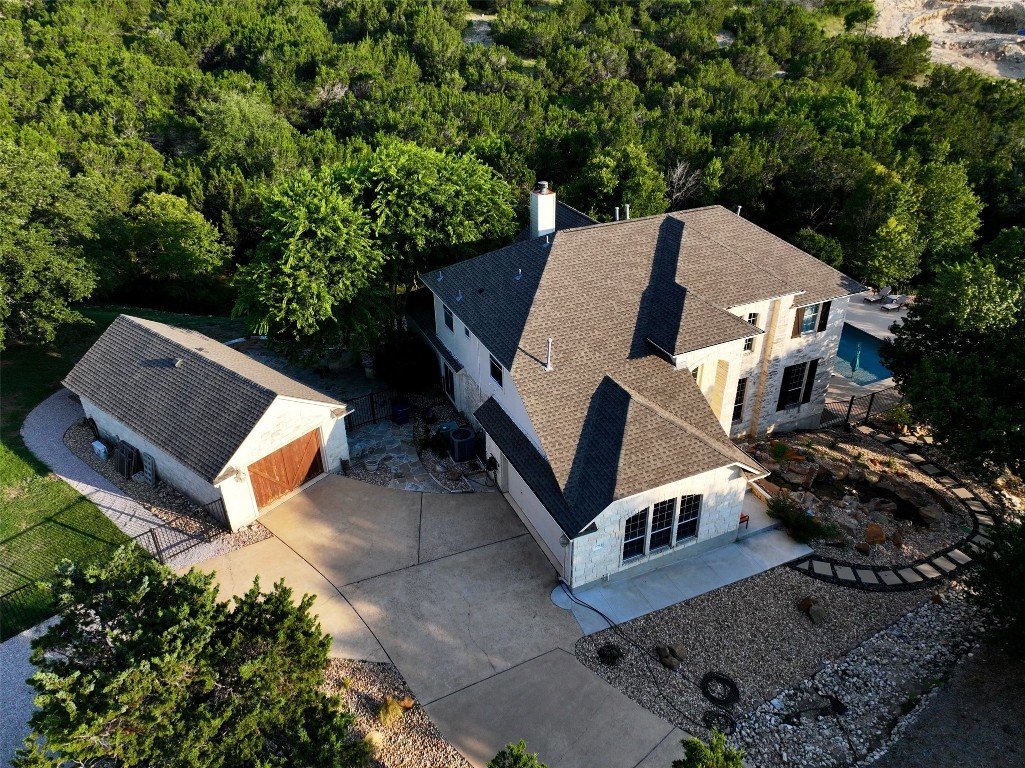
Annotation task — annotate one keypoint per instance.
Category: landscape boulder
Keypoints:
(817, 614)
(874, 534)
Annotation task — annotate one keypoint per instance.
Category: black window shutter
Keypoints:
(809, 381)
(823, 315)
(798, 319)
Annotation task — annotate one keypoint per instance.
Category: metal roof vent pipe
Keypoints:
(542, 210)
(548, 362)
(626, 209)
(617, 213)
(738, 209)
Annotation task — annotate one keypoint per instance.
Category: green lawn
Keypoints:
(42, 519)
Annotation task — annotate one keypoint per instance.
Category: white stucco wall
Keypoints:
(474, 384)
(169, 469)
(600, 554)
(286, 420)
(531, 511)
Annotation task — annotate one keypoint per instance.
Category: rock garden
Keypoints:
(854, 499)
(388, 718)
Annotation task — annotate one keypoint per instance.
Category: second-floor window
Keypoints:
(496, 371)
(811, 319)
(798, 382)
(749, 342)
(449, 321)
(738, 401)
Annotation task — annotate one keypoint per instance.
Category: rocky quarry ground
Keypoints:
(980, 35)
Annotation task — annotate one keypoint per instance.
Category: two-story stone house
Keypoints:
(609, 364)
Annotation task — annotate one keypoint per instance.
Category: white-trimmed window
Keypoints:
(810, 320)
(690, 515)
(449, 321)
(635, 535)
(496, 371)
(661, 526)
(749, 342)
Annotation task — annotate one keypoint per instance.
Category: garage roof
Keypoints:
(193, 397)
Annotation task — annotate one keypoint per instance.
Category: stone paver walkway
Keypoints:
(393, 445)
(922, 573)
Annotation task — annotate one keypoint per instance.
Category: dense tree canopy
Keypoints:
(959, 359)
(886, 164)
(145, 667)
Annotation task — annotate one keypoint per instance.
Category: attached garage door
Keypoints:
(286, 469)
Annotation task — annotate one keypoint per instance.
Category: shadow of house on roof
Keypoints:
(672, 334)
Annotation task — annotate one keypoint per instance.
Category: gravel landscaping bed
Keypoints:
(752, 631)
(881, 686)
(409, 739)
(170, 505)
(878, 474)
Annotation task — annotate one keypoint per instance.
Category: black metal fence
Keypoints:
(368, 409)
(372, 408)
(860, 409)
(28, 604)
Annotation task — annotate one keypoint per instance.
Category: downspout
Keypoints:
(567, 564)
(763, 377)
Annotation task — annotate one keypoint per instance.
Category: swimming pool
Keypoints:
(857, 358)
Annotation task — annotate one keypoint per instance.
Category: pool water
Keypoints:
(857, 358)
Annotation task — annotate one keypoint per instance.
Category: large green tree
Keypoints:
(959, 360)
(46, 216)
(428, 208)
(145, 667)
(317, 258)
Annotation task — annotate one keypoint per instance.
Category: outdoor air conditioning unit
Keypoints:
(100, 449)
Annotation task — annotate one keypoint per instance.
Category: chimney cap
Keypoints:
(542, 188)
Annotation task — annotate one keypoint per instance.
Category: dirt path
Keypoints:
(975, 720)
(982, 35)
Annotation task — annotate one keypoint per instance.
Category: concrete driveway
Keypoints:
(455, 592)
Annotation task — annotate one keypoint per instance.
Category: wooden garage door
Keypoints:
(286, 469)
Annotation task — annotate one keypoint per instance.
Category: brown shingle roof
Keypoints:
(613, 417)
(199, 411)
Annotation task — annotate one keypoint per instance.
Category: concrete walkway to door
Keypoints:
(453, 590)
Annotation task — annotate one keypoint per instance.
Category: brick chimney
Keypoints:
(542, 210)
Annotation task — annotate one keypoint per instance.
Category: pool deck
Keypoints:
(871, 319)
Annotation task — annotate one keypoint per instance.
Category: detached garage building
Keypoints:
(207, 420)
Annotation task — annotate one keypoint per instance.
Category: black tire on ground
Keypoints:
(720, 689)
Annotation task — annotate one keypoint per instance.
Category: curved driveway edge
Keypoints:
(457, 594)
